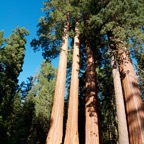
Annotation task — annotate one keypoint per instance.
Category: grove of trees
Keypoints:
(95, 95)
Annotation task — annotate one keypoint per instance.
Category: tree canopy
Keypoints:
(100, 31)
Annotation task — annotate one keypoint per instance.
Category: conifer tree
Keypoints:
(92, 129)
(32, 112)
(125, 20)
(134, 104)
(72, 135)
(120, 107)
(22, 114)
(12, 55)
(119, 98)
(53, 37)
(42, 94)
(55, 137)
(91, 108)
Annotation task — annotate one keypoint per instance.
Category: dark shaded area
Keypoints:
(81, 112)
(18, 129)
(108, 123)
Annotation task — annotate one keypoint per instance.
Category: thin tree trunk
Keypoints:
(55, 133)
(133, 100)
(72, 121)
(120, 107)
(91, 108)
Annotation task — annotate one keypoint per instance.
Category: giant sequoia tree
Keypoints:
(58, 21)
(92, 117)
(72, 135)
(123, 28)
(119, 99)
(124, 20)
(58, 106)
(95, 29)
(134, 104)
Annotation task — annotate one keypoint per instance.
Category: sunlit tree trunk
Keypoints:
(71, 136)
(120, 107)
(133, 100)
(119, 98)
(91, 108)
(55, 133)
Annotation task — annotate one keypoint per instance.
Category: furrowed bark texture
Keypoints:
(120, 107)
(91, 108)
(133, 100)
(55, 133)
(71, 136)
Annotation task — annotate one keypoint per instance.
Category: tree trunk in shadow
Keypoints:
(133, 100)
(55, 133)
(120, 107)
(71, 136)
(91, 108)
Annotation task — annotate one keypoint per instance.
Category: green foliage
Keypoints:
(45, 87)
(28, 121)
(11, 60)
(51, 28)
(25, 110)
(2, 39)
(140, 69)
(50, 32)
(124, 19)
(107, 105)
(38, 104)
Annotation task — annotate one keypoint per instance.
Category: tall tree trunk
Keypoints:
(91, 108)
(120, 107)
(71, 136)
(55, 133)
(133, 100)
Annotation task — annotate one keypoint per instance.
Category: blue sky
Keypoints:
(25, 13)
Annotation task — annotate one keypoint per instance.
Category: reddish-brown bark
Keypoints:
(91, 108)
(56, 124)
(133, 100)
(71, 136)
